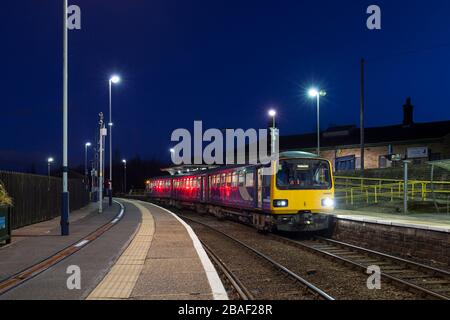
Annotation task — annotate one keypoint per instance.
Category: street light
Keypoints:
(273, 113)
(115, 79)
(65, 167)
(125, 175)
(86, 146)
(315, 93)
(49, 162)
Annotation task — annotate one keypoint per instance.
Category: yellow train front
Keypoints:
(301, 193)
(296, 195)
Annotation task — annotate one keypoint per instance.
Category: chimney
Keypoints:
(408, 113)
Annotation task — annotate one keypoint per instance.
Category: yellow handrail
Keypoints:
(351, 189)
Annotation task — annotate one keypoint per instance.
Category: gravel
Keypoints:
(340, 281)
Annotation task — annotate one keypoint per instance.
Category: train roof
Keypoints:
(297, 155)
(189, 170)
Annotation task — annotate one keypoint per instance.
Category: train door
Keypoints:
(260, 187)
(204, 188)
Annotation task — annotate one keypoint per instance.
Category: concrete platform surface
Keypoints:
(150, 254)
(433, 222)
(43, 240)
(93, 260)
(165, 261)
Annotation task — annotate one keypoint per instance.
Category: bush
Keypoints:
(5, 199)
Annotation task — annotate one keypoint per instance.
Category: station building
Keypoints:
(418, 142)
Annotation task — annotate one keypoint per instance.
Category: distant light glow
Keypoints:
(115, 79)
(172, 150)
(110, 124)
(272, 113)
(313, 92)
(50, 160)
(124, 161)
(88, 144)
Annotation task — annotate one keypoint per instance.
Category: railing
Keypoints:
(351, 190)
(137, 192)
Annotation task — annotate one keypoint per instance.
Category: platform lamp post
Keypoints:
(102, 135)
(49, 163)
(65, 167)
(124, 175)
(113, 80)
(273, 113)
(86, 172)
(315, 93)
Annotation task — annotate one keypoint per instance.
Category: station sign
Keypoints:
(419, 152)
(2, 223)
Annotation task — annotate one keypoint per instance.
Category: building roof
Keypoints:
(443, 164)
(350, 135)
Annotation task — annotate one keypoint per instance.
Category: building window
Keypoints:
(345, 163)
(383, 162)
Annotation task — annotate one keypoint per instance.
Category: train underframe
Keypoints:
(304, 221)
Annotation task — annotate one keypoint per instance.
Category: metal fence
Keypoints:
(352, 190)
(38, 198)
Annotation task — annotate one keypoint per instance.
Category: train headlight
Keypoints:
(328, 203)
(280, 203)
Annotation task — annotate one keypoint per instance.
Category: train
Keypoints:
(297, 197)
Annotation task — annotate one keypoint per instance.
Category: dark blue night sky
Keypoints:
(223, 62)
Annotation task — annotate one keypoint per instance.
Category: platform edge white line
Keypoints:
(215, 283)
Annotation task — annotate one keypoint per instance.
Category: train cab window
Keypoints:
(304, 174)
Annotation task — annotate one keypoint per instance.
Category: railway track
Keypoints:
(420, 278)
(242, 291)
(306, 288)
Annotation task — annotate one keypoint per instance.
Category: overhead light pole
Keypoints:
(124, 175)
(315, 93)
(86, 172)
(273, 113)
(113, 80)
(49, 163)
(65, 194)
(103, 133)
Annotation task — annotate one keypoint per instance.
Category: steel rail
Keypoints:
(363, 268)
(309, 286)
(237, 285)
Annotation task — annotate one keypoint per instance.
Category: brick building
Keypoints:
(419, 142)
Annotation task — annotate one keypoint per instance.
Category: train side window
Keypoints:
(241, 181)
(234, 180)
(249, 181)
(228, 179)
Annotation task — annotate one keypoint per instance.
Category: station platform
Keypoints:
(140, 251)
(430, 222)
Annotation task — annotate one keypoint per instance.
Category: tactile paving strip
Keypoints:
(121, 279)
